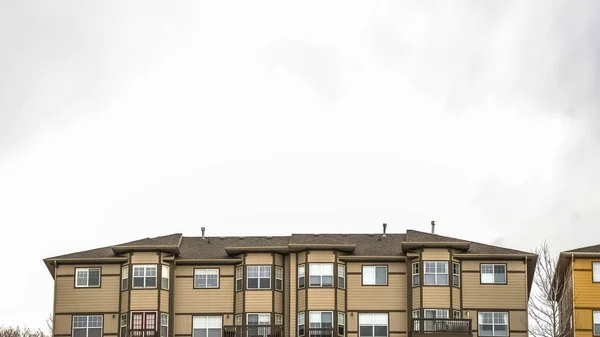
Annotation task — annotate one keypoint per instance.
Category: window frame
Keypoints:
(298, 325)
(375, 267)
(124, 277)
(87, 278)
(321, 312)
(237, 320)
(456, 273)
(593, 278)
(162, 315)
(341, 323)
(145, 267)
(455, 316)
(479, 324)
(494, 272)
(123, 326)
(594, 323)
(144, 314)
(320, 275)
(239, 278)
(436, 273)
(417, 274)
(341, 276)
(259, 314)
(164, 268)
(279, 270)
(87, 323)
(373, 325)
(259, 277)
(416, 324)
(207, 316)
(196, 270)
(280, 316)
(303, 276)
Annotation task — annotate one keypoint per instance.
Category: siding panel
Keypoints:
(518, 320)
(397, 321)
(390, 297)
(239, 305)
(278, 302)
(437, 254)
(69, 269)
(259, 301)
(587, 293)
(436, 297)
(508, 296)
(416, 298)
(104, 299)
(111, 325)
(321, 256)
(456, 298)
(164, 300)
(341, 298)
(144, 257)
(124, 301)
(144, 299)
(259, 258)
(183, 324)
(301, 300)
(321, 299)
(62, 324)
(203, 300)
(291, 304)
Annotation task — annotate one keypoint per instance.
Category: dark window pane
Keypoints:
(327, 281)
(501, 330)
(151, 281)
(239, 284)
(124, 283)
(380, 331)
(366, 331)
(278, 284)
(79, 332)
(212, 282)
(199, 332)
(429, 279)
(214, 332)
(341, 282)
(315, 280)
(380, 275)
(94, 332)
(265, 283)
(123, 331)
(442, 279)
(94, 278)
(301, 330)
(499, 278)
(252, 319)
(485, 330)
(301, 282)
(252, 283)
(455, 280)
(165, 283)
(163, 331)
(415, 280)
(138, 281)
(340, 329)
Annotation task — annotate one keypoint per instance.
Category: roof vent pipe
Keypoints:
(384, 229)
(432, 227)
(203, 229)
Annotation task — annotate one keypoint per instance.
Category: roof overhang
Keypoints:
(143, 248)
(342, 247)
(266, 249)
(52, 263)
(365, 258)
(406, 246)
(208, 261)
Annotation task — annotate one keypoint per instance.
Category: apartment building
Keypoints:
(577, 279)
(302, 285)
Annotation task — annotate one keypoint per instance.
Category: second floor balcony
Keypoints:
(253, 331)
(437, 326)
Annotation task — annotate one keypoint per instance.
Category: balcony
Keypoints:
(446, 327)
(143, 333)
(320, 332)
(253, 331)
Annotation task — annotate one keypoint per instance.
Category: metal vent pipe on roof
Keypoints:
(203, 229)
(432, 227)
(384, 229)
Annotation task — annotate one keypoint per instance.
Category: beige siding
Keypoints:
(518, 320)
(164, 301)
(185, 270)
(416, 298)
(301, 257)
(354, 267)
(397, 267)
(183, 324)
(224, 270)
(390, 297)
(471, 265)
(393, 267)
(124, 301)
(259, 258)
(352, 321)
(62, 324)
(279, 259)
(144, 257)
(203, 300)
(436, 297)
(456, 298)
(228, 320)
(508, 296)
(397, 321)
(111, 325)
(239, 304)
(278, 301)
(301, 299)
(437, 254)
(321, 299)
(397, 335)
(259, 301)
(291, 304)
(341, 298)
(69, 269)
(70, 299)
(144, 299)
(321, 256)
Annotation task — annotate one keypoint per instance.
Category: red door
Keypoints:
(143, 324)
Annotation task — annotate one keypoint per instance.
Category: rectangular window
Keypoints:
(301, 276)
(341, 276)
(492, 324)
(321, 274)
(279, 278)
(436, 273)
(278, 319)
(238, 319)
(373, 325)
(239, 278)
(456, 274)
(416, 323)
(432, 314)
(341, 323)
(263, 321)
(456, 314)
(259, 277)
(493, 273)
(300, 324)
(207, 326)
(206, 278)
(415, 274)
(320, 320)
(143, 324)
(87, 277)
(124, 277)
(374, 275)
(595, 271)
(165, 277)
(596, 323)
(164, 325)
(123, 325)
(144, 276)
(87, 326)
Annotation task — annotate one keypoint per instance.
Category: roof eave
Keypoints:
(406, 246)
(371, 258)
(146, 248)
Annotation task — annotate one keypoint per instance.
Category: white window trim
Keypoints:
(259, 314)
(87, 328)
(454, 316)
(237, 320)
(205, 285)
(341, 322)
(417, 274)
(479, 320)
(259, 269)
(280, 316)
(206, 328)
(162, 277)
(277, 268)
(121, 326)
(87, 278)
(146, 267)
(457, 275)
(493, 272)
(321, 275)
(594, 323)
(161, 324)
(374, 267)
(416, 324)
(302, 267)
(239, 275)
(341, 275)
(594, 266)
(436, 273)
(125, 276)
(303, 315)
(320, 316)
(387, 330)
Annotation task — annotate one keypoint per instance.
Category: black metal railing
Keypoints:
(441, 326)
(143, 333)
(320, 332)
(253, 331)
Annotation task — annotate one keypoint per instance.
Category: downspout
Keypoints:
(54, 300)
(573, 293)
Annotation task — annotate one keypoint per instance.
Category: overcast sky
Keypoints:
(121, 120)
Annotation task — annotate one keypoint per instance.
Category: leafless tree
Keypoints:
(21, 332)
(551, 302)
(50, 324)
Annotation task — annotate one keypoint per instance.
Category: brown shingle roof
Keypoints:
(214, 247)
(588, 249)
(365, 244)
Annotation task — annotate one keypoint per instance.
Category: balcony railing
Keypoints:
(441, 326)
(253, 331)
(320, 332)
(143, 333)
